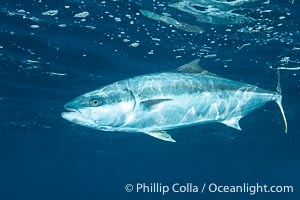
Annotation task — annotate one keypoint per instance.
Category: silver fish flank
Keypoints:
(155, 103)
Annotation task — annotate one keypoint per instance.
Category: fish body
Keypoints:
(158, 102)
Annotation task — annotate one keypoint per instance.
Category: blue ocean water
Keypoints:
(53, 51)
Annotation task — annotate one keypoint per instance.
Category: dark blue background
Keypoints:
(43, 156)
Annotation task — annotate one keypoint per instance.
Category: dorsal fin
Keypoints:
(194, 67)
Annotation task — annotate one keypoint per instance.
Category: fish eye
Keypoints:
(95, 102)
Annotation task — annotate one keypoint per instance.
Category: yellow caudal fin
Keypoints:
(278, 100)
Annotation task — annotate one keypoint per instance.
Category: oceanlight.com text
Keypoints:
(189, 187)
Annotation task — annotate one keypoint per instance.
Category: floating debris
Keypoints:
(239, 48)
(289, 68)
(117, 19)
(135, 44)
(31, 61)
(151, 52)
(91, 27)
(55, 74)
(50, 12)
(82, 14)
(34, 26)
(210, 56)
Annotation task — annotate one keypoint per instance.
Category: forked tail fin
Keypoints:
(279, 100)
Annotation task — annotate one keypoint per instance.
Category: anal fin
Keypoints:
(162, 135)
(233, 122)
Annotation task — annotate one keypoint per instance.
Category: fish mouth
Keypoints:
(72, 110)
(77, 117)
(71, 107)
(71, 114)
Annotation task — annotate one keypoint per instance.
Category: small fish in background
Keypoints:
(155, 103)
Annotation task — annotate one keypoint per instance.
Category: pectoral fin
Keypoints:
(233, 122)
(162, 135)
(149, 104)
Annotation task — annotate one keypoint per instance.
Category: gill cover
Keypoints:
(116, 104)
